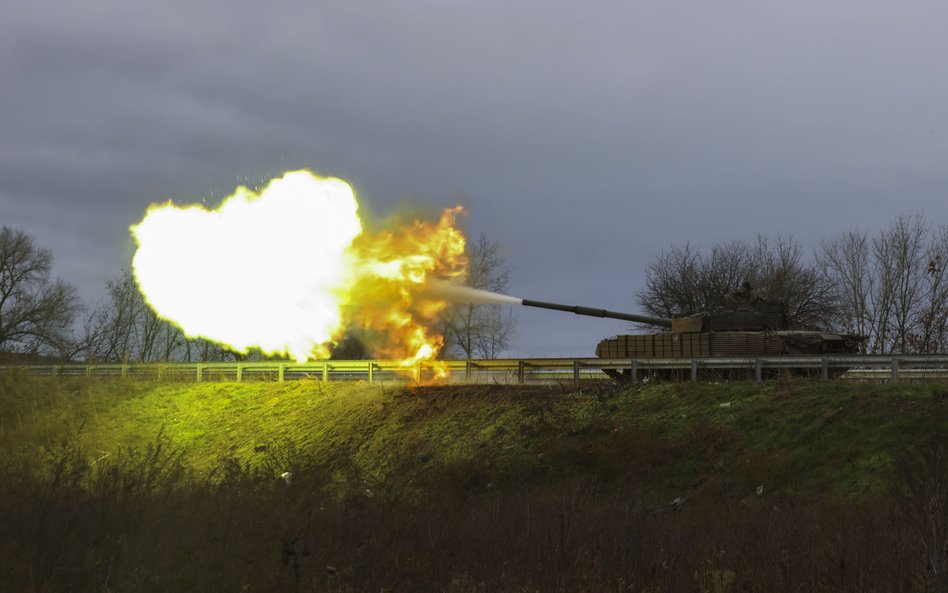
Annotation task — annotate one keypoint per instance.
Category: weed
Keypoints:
(147, 487)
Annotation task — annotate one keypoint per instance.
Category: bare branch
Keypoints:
(36, 313)
(481, 331)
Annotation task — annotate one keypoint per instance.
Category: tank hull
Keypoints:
(727, 344)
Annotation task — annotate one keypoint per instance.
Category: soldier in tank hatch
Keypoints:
(744, 295)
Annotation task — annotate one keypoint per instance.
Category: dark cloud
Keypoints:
(586, 138)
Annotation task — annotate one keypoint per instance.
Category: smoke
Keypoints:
(456, 293)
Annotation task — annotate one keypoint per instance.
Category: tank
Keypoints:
(741, 325)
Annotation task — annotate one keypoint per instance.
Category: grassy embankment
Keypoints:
(673, 439)
(466, 488)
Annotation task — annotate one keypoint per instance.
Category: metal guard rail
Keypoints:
(523, 370)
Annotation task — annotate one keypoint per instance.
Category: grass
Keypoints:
(830, 438)
(143, 486)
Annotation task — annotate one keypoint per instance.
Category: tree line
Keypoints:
(889, 287)
(43, 316)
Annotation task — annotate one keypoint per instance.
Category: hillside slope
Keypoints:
(673, 440)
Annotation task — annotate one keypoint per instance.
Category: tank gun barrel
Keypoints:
(593, 312)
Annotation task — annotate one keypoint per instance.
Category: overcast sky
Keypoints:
(585, 137)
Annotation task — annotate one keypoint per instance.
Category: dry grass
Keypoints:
(475, 490)
(143, 522)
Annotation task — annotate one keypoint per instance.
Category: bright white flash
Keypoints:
(263, 270)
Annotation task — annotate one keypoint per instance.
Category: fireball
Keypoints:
(288, 268)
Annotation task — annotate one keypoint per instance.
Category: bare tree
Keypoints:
(729, 265)
(124, 328)
(682, 280)
(891, 288)
(933, 317)
(846, 264)
(204, 350)
(482, 330)
(36, 312)
(674, 283)
(899, 252)
(779, 272)
(109, 330)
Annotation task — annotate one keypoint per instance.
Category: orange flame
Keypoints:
(287, 269)
(389, 297)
